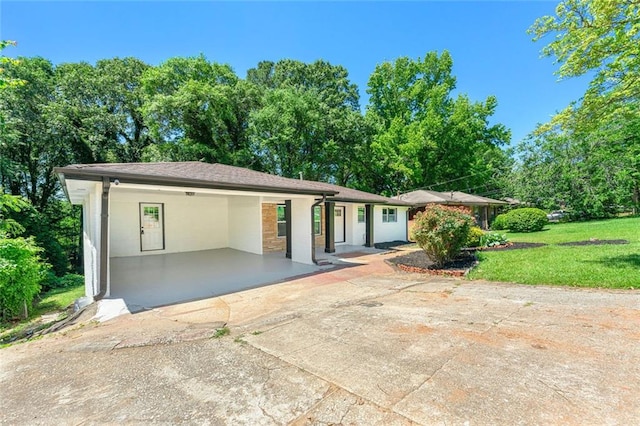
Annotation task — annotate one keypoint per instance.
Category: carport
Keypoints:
(151, 281)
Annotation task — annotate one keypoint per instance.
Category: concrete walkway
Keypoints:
(360, 345)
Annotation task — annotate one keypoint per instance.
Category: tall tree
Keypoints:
(33, 143)
(120, 94)
(423, 136)
(317, 106)
(195, 110)
(602, 37)
(600, 130)
(592, 175)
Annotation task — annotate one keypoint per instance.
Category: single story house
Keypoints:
(133, 212)
(483, 209)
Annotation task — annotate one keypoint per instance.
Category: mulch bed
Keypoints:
(593, 242)
(514, 246)
(417, 261)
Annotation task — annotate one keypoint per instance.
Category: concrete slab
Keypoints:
(144, 282)
(360, 345)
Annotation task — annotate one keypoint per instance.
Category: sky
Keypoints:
(491, 51)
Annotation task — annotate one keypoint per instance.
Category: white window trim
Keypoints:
(386, 214)
(317, 208)
(278, 222)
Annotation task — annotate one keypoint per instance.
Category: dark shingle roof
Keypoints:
(219, 176)
(422, 197)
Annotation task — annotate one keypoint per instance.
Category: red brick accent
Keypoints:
(270, 240)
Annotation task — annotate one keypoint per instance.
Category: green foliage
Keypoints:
(441, 232)
(528, 219)
(221, 332)
(6, 81)
(587, 159)
(10, 204)
(592, 174)
(474, 237)
(21, 272)
(500, 222)
(418, 126)
(599, 36)
(308, 121)
(193, 109)
(493, 239)
(51, 281)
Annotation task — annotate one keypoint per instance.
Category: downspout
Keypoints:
(313, 234)
(104, 239)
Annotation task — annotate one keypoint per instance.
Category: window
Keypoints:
(389, 215)
(281, 218)
(317, 220)
(361, 218)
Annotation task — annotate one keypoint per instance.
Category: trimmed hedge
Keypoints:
(500, 222)
(527, 219)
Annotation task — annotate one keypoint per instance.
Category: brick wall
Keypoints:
(270, 240)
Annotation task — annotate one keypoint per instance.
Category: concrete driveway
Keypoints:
(361, 345)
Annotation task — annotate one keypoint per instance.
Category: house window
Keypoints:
(317, 222)
(361, 218)
(282, 220)
(389, 215)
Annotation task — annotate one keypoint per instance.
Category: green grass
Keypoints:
(608, 266)
(53, 301)
(58, 299)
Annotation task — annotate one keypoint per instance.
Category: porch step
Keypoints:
(323, 262)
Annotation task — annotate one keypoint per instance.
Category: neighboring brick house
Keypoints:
(482, 209)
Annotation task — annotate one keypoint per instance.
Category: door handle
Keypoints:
(141, 231)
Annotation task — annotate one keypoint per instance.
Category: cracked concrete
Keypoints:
(362, 345)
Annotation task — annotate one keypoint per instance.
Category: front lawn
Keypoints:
(609, 266)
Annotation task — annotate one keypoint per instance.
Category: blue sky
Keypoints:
(492, 53)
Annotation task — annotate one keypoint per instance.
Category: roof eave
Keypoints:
(123, 177)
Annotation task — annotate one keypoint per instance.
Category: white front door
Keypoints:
(338, 224)
(151, 226)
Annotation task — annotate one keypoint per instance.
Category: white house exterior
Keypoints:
(146, 209)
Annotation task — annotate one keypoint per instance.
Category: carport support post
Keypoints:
(368, 221)
(287, 218)
(329, 229)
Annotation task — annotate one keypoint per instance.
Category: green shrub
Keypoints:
(51, 282)
(441, 232)
(500, 222)
(527, 219)
(493, 239)
(474, 237)
(21, 272)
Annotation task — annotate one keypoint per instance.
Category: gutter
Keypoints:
(313, 234)
(104, 239)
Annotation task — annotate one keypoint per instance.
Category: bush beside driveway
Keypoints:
(361, 345)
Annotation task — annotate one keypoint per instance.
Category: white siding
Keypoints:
(91, 207)
(355, 231)
(389, 231)
(192, 223)
(245, 224)
(301, 230)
